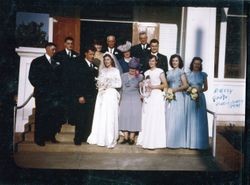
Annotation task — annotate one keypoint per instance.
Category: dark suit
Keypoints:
(85, 86)
(116, 52)
(162, 62)
(142, 54)
(46, 79)
(68, 72)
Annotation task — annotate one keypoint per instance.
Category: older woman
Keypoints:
(196, 114)
(105, 122)
(175, 112)
(124, 61)
(130, 105)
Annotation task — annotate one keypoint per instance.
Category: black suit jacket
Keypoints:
(116, 52)
(143, 55)
(163, 62)
(68, 69)
(85, 83)
(46, 78)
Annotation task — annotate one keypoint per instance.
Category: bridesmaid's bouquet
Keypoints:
(193, 93)
(144, 88)
(169, 95)
(103, 83)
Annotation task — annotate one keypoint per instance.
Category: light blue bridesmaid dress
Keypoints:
(196, 114)
(175, 113)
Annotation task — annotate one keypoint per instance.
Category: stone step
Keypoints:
(65, 137)
(62, 137)
(86, 148)
(65, 128)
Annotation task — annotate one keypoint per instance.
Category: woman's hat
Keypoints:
(125, 47)
(134, 63)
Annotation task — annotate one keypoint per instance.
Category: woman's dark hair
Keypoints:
(153, 56)
(179, 58)
(192, 63)
(97, 42)
(113, 62)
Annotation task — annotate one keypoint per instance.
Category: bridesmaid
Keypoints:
(130, 105)
(175, 112)
(197, 123)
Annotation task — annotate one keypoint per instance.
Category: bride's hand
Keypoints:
(82, 100)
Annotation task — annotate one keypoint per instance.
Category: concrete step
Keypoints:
(65, 128)
(86, 148)
(63, 137)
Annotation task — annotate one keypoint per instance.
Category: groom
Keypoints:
(85, 93)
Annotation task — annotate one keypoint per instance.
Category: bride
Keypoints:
(105, 122)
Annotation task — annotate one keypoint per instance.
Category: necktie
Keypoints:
(69, 54)
(91, 65)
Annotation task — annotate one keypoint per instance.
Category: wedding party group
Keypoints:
(111, 91)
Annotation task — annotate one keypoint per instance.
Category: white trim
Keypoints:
(51, 21)
(222, 50)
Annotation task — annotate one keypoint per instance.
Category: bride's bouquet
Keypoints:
(103, 83)
(144, 88)
(193, 93)
(169, 95)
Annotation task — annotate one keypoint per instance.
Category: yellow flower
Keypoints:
(194, 90)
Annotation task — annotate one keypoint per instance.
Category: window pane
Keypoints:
(235, 59)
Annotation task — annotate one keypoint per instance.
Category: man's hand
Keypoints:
(82, 100)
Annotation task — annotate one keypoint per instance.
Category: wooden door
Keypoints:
(64, 27)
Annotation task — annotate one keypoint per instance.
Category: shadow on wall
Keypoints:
(198, 43)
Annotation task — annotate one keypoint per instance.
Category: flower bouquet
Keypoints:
(103, 83)
(144, 88)
(193, 92)
(169, 95)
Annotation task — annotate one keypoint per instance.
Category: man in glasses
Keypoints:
(67, 58)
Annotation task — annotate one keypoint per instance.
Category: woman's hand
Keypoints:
(150, 85)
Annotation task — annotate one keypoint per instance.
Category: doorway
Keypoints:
(99, 30)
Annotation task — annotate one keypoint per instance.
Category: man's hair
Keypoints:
(89, 48)
(111, 36)
(142, 33)
(68, 38)
(48, 44)
(154, 41)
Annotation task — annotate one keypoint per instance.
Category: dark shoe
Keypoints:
(40, 143)
(53, 140)
(131, 142)
(78, 143)
(124, 141)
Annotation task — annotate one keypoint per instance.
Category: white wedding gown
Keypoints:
(105, 121)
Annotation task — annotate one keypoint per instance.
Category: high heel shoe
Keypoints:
(124, 141)
(131, 142)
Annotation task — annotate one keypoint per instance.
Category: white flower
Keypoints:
(193, 92)
(74, 56)
(96, 68)
(57, 63)
(169, 95)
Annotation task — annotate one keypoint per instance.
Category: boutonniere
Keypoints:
(57, 63)
(74, 56)
(116, 53)
(96, 68)
(148, 48)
